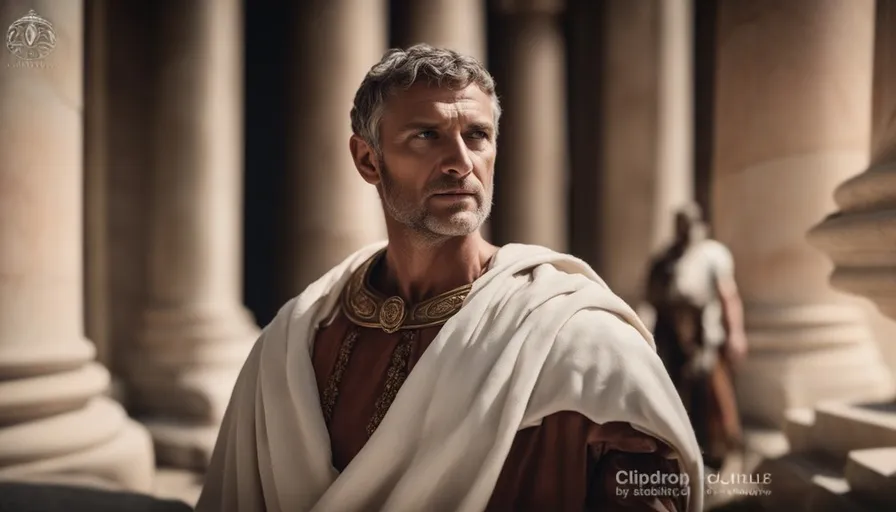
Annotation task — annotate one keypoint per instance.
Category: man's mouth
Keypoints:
(455, 193)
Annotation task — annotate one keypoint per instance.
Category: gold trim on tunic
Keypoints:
(395, 376)
(366, 307)
(331, 391)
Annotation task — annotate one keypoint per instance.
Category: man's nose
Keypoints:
(458, 161)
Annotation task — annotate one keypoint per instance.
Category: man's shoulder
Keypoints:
(534, 259)
(598, 344)
(564, 274)
(717, 253)
(602, 327)
(714, 246)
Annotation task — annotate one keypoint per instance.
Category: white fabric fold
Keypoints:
(539, 333)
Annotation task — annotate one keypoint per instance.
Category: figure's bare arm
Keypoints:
(733, 316)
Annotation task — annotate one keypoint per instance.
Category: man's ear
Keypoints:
(365, 160)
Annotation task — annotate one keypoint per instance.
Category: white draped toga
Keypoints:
(538, 333)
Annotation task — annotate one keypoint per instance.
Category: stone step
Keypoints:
(871, 474)
(841, 428)
(761, 443)
(859, 378)
(833, 494)
(178, 484)
(810, 482)
(798, 428)
(792, 479)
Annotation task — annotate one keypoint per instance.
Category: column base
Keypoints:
(770, 384)
(187, 362)
(181, 378)
(124, 461)
(182, 445)
(858, 237)
(801, 356)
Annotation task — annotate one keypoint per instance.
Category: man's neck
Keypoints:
(416, 272)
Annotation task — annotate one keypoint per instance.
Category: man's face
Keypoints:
(438, 159)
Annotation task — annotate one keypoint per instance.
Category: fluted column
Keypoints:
(55, 424)
(195, 331)
(331, 211)
(531, 172)
(793, 88)
(455, 24)
(646, 135)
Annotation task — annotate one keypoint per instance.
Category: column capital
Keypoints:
(549, 7)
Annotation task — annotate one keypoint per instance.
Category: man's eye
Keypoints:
(427, 134)
(479, 134)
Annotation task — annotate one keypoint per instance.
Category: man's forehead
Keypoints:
(425, 99)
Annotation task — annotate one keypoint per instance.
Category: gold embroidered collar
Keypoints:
(366, 307)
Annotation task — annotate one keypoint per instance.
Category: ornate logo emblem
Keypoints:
(31, 37)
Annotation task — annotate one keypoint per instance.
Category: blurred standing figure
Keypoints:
(699, 330)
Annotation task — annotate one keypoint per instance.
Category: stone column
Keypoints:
(331, 211)
(531, 174)
(859, 439)
(195, 331)
(646, 135)
(867, 202)
(793, 89)
(55, 423)
(852, 236)
(455, 24)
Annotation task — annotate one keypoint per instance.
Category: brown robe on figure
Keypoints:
(562, 464)
(683, 287)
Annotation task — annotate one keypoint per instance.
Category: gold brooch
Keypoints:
(366, 307)
(392, 314)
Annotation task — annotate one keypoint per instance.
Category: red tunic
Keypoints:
(566, 463)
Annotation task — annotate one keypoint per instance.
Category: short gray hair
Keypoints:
(400, 69)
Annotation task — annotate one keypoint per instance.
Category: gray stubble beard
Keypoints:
(429, 228)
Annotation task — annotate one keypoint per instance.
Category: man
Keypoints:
(699, 330)
(437, 371)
